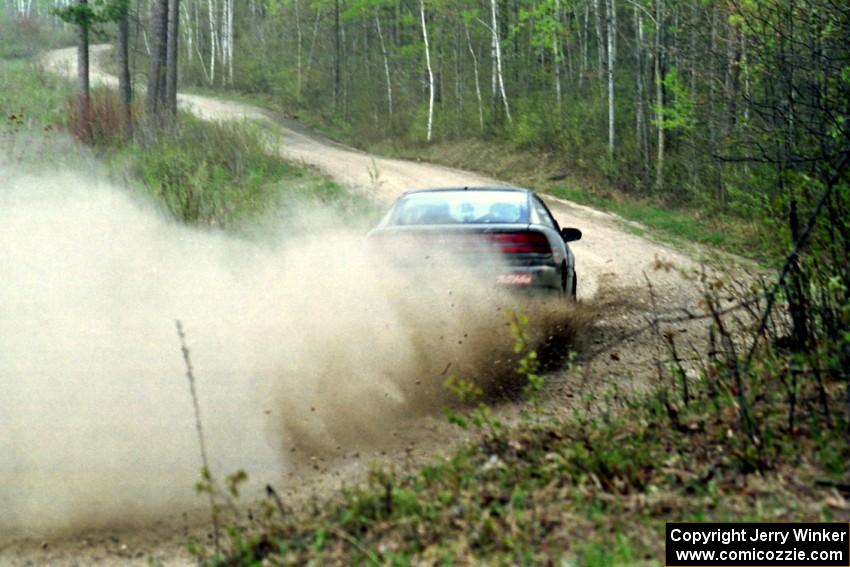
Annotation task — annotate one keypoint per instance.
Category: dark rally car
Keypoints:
(504, 233)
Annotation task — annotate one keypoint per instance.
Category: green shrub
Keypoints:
(535, 125)
(102, 124)
(30, 98)
(205, 173)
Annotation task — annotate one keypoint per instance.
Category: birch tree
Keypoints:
(211, 7)
(354, 60)
(497, 48)
(171, 58)
(640, 113)
(430, 70)
(556, 55)
(476, 76)
(659, 94)
(612, 43)
(386, 66)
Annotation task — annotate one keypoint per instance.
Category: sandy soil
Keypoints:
(613, 264)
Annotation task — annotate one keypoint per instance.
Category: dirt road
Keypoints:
(609, 253)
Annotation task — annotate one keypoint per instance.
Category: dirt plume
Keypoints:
(311, 342)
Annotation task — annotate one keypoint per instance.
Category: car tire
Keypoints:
(574, 291)
(565, 291)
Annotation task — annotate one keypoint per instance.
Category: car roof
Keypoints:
(476, 189)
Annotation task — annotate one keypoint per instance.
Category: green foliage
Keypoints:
(668, 223)
(721, 108)
(680, 114)
(599, 488)
(214, 174)
(29, 99)
(528, 366)
(576, 492)
(223, 175)
(93, 13)
(544, 24)
(208, 174)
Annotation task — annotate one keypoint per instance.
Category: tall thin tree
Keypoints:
(659, 93)
(125, 88)
(159, 19)
(386, 65)
(556, 54)
(430, 70)
(612, 55)
(172, 46)
(497, 48)
(84, 20)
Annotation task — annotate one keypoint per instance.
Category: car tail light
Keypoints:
(529, 242)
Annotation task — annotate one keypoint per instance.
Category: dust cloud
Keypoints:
(312, 341)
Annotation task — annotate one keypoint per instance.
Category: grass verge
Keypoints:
(212, 174)
(720, 440)
(29, 99)
(592, 492)
(223, 175)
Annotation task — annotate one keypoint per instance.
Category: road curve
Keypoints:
(608, 256)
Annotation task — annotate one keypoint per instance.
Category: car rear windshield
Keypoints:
(461, 207)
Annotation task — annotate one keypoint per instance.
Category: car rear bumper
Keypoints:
(546, 277)
(500, 275)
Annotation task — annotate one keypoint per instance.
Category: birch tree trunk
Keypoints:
(498, 49)
(556, 56)
(386, 66)
(585, 45)
(430, 70)
(477, 79)
(172, 50)
(659, 94)
(188, 33)
(197, 42)
(640, 112)
(223, 49)
(213, 38)
(494, 79)
(612, 55)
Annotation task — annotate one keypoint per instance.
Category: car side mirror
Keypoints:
(570, 234)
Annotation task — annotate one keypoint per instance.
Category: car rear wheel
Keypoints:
(565, 291)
